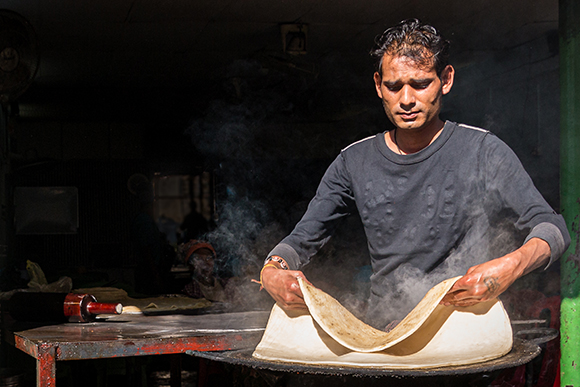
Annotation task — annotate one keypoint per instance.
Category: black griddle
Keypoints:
(522, 352)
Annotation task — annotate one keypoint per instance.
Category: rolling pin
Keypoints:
(61, 307)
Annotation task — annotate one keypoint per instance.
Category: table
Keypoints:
(137, 335)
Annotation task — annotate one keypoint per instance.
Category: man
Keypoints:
(201, 257)
(430, 194)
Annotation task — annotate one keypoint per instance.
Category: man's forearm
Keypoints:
(490, 279)
(535, 253)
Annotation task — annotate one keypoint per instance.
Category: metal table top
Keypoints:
(134, 335)
(138, 335)
(131, 327)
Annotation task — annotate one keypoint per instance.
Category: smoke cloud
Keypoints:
(255, 190)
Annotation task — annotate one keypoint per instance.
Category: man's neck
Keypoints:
(405, 141)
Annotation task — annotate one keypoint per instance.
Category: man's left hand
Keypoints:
(490, 279)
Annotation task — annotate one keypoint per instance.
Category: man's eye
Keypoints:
(420, 86)
(393, 87)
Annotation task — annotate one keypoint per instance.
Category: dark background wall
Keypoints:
(114, 96)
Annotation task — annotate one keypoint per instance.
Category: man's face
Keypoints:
(411, 93)
(203, 262)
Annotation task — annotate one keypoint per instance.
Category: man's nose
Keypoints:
(407, 99)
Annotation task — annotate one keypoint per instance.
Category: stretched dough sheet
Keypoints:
(431, 335)
(354, 334)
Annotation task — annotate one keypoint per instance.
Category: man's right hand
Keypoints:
(283, 287)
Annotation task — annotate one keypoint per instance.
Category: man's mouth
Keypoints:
(407, 116)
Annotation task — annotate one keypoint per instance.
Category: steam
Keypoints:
(251, 207)
(488, 239)
(250, 136)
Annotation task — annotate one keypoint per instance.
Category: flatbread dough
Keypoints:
(432, 335)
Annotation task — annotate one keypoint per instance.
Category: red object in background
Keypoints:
(550, 370)
(542, 307)
(58, 307)
(84, 307)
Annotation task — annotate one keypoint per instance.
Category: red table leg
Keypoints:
(46, 366)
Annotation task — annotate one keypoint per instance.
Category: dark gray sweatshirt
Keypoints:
(454, 199)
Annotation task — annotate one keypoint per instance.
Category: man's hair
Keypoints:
(421, 43)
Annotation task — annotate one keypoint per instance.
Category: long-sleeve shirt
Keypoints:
(462, 200)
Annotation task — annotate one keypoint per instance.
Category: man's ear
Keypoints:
(447, 78)
(378, 81)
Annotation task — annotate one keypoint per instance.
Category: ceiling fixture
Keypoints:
(294, 38)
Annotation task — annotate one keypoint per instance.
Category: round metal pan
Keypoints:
(522, 352)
